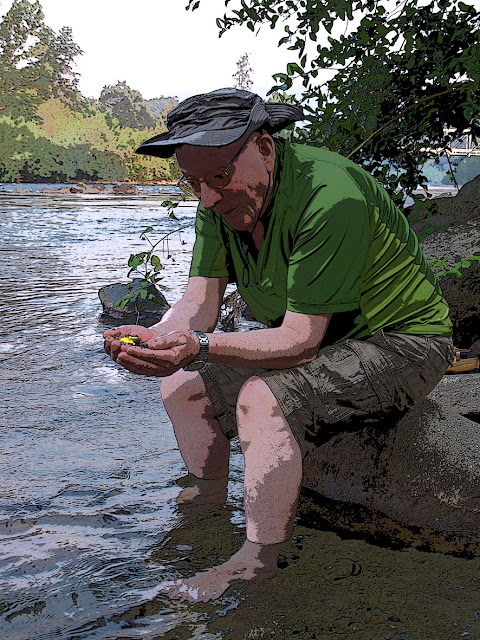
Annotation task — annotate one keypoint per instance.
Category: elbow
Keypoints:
(308, 355)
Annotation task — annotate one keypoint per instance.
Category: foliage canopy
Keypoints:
(35, 63)
(381, 83)
(48, 130)
(127, 106)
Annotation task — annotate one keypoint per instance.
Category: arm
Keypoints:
(296, 342)
(198, 308)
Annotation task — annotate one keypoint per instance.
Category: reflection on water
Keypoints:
(88, 463)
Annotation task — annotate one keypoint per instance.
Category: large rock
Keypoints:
(462, 207)
(92, 189)
(457, 237)
(137, 311)
(459, 393)
(126, 189)
(422, 471)
(62, 190)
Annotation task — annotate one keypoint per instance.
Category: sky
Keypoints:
(159, 48)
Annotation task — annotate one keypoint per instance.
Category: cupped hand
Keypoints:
(163, 356)
(113, 346)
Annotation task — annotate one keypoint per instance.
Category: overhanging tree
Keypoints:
(399, 76)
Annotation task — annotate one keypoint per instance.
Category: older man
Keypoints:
(357, 325)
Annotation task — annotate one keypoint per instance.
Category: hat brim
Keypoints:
(272, 116)
(164, 145)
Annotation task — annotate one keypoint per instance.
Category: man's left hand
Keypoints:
(163, 356)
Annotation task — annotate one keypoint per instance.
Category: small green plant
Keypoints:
(437, 263)
(455, 271)
(146, 265)
(442, 264)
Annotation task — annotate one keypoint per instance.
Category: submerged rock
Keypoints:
(137, 311)
(422, 470)
(58, 191)
(126, 189)
(92, 189)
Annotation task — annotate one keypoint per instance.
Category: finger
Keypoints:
(141, 367)
(173, 339)
(116, 332)
(116, 348)
(157, 356)
(107, 346)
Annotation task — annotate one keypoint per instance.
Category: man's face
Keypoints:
(241, 201)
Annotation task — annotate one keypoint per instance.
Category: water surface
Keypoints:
(88, 526)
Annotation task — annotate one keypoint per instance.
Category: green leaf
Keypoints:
(292, 67)
(137, 259)
(155, 260)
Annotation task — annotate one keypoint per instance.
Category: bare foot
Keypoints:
(204, 492)
(252, 562)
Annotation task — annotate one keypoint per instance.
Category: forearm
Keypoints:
(187, 314)
(197, 309)
(279, 348)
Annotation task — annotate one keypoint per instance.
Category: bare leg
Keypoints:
(273, 474)
(203, 445)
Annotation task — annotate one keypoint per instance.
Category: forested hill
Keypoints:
(49, 132)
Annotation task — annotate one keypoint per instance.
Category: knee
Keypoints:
(256, 405)
(181, 387)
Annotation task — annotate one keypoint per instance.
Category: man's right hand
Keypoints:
(113, 346)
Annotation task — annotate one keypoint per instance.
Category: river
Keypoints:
(89, 463)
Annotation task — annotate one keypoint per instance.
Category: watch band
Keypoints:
(202, 355)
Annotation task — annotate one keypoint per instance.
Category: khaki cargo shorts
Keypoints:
(347, 384)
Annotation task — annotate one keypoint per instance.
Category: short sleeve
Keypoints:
(330, 249)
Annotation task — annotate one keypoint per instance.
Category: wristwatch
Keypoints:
(202, 355)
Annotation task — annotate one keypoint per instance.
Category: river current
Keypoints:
(89, 462)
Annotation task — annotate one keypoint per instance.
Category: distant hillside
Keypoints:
(162, 104)
(49, 132)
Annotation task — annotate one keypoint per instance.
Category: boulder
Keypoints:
(59, 191)
(126, 189)
(422, 471)
(92, 189)
(463, 297)
(442, 210)
(459, 393)
(145, 312)
(456, 237)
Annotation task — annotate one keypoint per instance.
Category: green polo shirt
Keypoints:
(334, 243)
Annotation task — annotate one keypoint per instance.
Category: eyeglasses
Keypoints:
(214, 179)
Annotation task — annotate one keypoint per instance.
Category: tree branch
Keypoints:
(402, 113)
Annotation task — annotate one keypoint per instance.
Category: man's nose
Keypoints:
(208, 196)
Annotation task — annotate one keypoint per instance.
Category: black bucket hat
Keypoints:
(219, 118)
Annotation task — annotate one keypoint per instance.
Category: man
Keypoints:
(357, 325)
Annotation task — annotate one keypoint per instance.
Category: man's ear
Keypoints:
(266, 145)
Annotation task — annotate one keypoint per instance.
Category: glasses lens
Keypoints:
(217, 180)
(188, 187)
